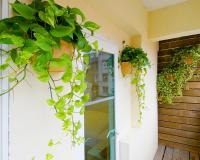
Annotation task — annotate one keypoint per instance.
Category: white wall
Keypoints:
(141, 138)
(32, 122)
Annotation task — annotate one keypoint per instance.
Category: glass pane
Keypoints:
(100, 76)
(99, 131)
(99, 114)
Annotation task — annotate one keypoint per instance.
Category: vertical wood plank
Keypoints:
(194, 156)
(184, 155)
(176, 154)
(160, 152)
(168, 153)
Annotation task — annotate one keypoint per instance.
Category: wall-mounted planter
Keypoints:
(65, 48)
(189, 60)
(126, 68)
(170, 77)
(135, 61)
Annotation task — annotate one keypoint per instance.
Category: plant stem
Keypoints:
(51, 94)
(18, 82)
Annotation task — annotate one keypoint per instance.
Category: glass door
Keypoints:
(99, 113)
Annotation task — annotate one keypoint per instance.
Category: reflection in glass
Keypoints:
(99, 112)
(98, 122)
(100, 76)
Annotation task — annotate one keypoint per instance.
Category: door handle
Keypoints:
(111, 133)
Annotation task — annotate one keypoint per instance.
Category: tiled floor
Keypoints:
(168, 153)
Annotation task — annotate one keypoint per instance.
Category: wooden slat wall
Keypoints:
(179, 123)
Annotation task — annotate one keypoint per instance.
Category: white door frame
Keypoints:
(4, 100)
(111, 47)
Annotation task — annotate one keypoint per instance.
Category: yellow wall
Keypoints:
(120, 20)
(175, 21)
(108, 29)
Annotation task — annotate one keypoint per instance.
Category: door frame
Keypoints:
(110, 47)
(4, 100)
(110, 132)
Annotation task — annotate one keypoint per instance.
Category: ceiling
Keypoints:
(157, 4)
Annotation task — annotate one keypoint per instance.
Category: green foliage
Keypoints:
(50, 102)
(24, 10)
(173, 78)
(49, 156)
(139, 60)
(62, 31)
(50, 143)
(136, 56)
(33, 33)
(91, 26)
(7, 38)
(59, 89)
(4, 66)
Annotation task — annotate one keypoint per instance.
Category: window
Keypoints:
(4, 100)
(99, 113)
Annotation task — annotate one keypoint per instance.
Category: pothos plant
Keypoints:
(35, 30)
(173, 78)
(140, 62)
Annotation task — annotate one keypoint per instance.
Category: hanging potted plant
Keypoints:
(124, 59)
(189, 60)
(170, 77)
(65, 48)
(50, 38)
(173, 78)
(137, 59)
(126, 68)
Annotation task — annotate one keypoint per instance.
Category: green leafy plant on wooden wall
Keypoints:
(173, 78)
(140, 62)
(35, 30)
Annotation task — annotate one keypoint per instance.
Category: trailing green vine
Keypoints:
(140, 62)
(35, 30)
(173, 78)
